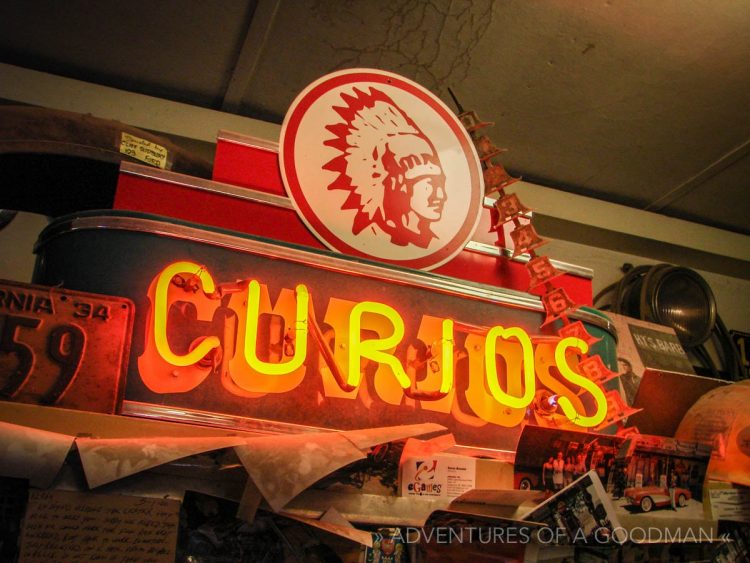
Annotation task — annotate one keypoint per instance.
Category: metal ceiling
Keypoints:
(639, 102)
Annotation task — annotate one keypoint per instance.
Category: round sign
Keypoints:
(379, 167)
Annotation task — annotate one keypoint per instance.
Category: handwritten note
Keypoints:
(730, 503)
(65, 526)
(143, 150)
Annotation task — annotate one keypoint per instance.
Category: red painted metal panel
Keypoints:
(185, 198)
(248, 166)
(137, 193)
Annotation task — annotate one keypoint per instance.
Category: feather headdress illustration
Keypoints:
(389, 167)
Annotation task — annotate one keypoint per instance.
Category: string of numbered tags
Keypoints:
(558, 306)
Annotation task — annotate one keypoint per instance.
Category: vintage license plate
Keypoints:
(63, 348)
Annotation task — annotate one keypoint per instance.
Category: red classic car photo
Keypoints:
(648, 498)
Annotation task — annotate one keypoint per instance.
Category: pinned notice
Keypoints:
(143, 150)
(66, 526)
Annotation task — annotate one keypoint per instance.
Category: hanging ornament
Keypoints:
(593, 367)
(508, 208)
(617, 410)
(525, 239)
(557, 304)
(541, 271)
(496, 178)
(471, 122)
(486, 149)
(577, 330)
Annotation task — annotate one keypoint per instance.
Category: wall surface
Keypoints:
(732, 293)
(17, 246)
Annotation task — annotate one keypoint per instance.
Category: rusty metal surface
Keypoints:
(63, 348)
(56, 162)
(42, 130)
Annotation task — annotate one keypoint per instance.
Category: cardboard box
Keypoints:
(447, 475)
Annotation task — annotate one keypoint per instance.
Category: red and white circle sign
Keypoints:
(379, 167)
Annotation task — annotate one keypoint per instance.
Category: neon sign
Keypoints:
(363, 351)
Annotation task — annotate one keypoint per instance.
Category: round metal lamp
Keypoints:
(679, 297)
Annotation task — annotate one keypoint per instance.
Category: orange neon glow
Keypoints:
(337, 317)
(446, 347)
(300, 339)
(576, 379)
(529, 382)
(478, 396)
(437, 361)
(359, 338)
(549, 377)
(161, 307)
(376, 349)
(246, 372)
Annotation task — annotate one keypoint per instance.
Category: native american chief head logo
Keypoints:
(391, 170)
(370, 159)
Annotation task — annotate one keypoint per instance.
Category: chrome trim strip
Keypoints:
(264, 427)
(297, 254)
(256, 196)
(247, 141)
(493, 250)
(267, 248)
(238, 192)
(235, 422)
